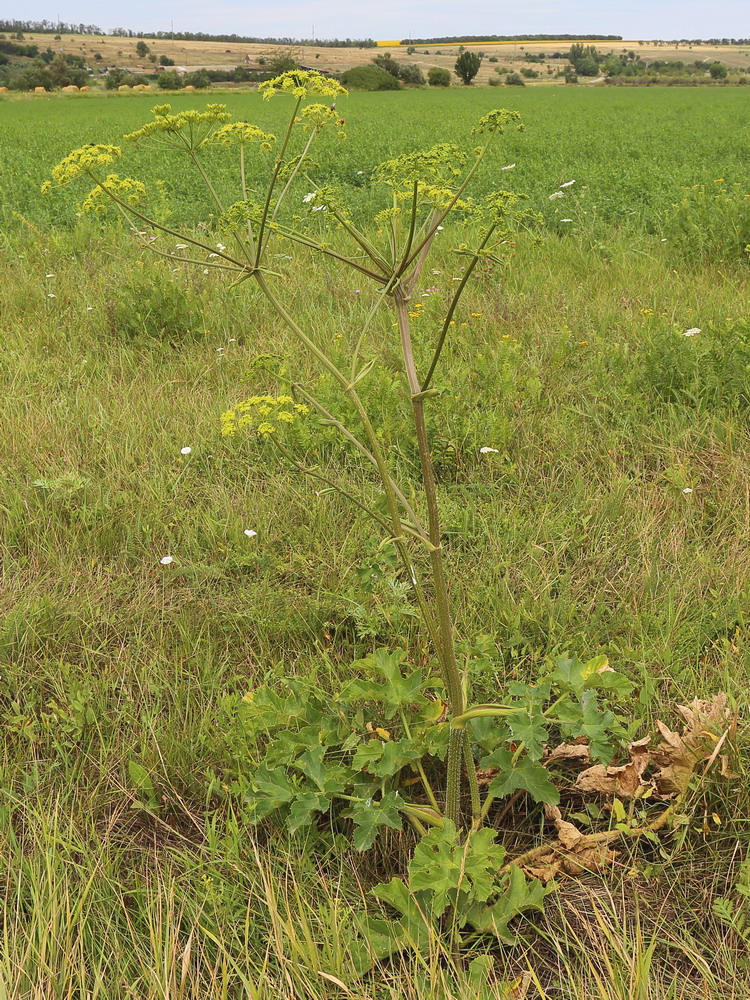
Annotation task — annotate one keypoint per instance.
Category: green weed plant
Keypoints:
(397, 743)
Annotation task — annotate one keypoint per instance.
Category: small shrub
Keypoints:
(170, 80)
(411, 73)
(198, 79)
(369, 78)
(153, 310)
(437, 76)
(388, 63)
(515, 80)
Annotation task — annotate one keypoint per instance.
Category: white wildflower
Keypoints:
(486, 451)
(687, 490)
(249, 532)
(692, 331)
(557, 194)
(166, 560)
(567, 184)
(309, 197)
(185, 451)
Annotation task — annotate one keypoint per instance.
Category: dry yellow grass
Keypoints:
(117, 51)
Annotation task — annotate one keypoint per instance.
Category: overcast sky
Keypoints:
(392, 19)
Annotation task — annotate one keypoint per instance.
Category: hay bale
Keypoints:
(70, 89)
(124, 86)
(40, 90)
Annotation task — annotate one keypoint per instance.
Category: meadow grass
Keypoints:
(129, 867)
(614, 517)
(635, 156)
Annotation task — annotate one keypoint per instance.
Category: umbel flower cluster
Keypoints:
(262, 414)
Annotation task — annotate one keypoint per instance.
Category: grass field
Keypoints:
(627, 153)
(614, 517)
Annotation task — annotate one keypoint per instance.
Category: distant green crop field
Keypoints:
(631, 153)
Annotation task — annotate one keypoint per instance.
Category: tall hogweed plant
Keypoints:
(397, 743)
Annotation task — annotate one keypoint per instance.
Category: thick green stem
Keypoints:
(375, 446)
(451, 673)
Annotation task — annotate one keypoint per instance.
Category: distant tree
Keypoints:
(388, 63)
(438, 77)
(166, 61)
(718, 71)
(118, 78)
(142, 50)
(515, 80)
(199, 79)
(467, 66)
(169, 80)
(584, 59)
(283, 60)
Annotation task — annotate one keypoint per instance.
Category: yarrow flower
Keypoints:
(692, 331)
(486, 450)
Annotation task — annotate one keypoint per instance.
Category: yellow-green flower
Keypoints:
(190, 129)
(127, 189)
(82, 162)
(242, 134)
(301, 83)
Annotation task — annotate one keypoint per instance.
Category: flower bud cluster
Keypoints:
(262, 414)
(127, 189)
(301, 83)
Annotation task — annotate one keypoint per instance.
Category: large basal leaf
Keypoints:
(392, 689)
(271, 788)
(585, 719)
(384, 759)
(370, 815)
(304, 807)
(524, 775)
(519, 896)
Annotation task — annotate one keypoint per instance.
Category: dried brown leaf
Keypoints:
(678, 755)
(577, 750)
